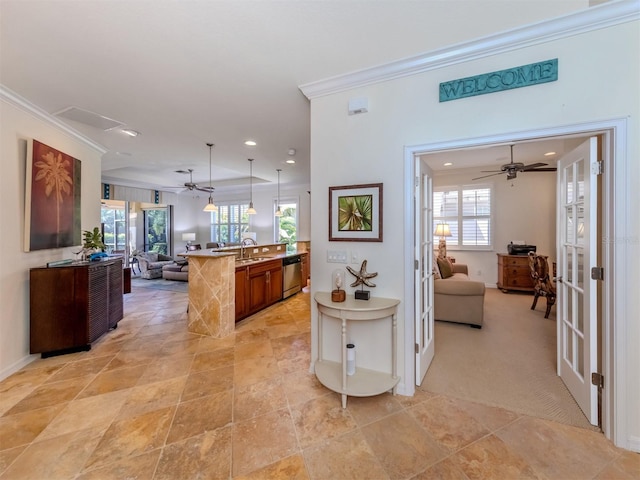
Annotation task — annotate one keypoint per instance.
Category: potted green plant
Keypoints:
(92, 241)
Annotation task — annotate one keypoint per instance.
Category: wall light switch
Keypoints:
(355, 257)
(256, 250)
(278, 247)
(336, 256)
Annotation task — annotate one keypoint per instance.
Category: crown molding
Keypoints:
(25, 105)
(594, 18)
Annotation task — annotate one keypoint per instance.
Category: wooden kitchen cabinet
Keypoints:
(306, 270)
(72, 306)
(514, 273)
(258, 286)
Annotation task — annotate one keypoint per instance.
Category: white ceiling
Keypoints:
(184, 73)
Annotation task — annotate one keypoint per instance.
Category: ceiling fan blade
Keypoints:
(532, 166)
(485, 176)
(205, 189)
(490, 171)
(548, 169)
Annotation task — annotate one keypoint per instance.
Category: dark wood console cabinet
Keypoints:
(514, 273)
(71, 306)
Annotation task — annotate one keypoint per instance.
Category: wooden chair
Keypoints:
(543, 285)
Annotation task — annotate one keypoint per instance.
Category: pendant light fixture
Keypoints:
(278, 211)
(210, 206)
(251, 210)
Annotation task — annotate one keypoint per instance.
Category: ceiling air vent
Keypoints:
(88, 118)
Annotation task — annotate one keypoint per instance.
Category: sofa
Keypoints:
(151, 264)
(178, 270)
(457, 298)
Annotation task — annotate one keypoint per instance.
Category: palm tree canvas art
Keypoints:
(53, 198)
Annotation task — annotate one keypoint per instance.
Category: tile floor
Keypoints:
(152, 401)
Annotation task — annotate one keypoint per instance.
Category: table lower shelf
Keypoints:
(364, 383)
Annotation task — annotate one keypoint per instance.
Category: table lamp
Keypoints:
(188, 237)
(442, 231)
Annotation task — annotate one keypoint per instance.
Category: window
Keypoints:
(286, 225)
(114, 225)
(156, 233)
(229, 223)
(467, 210)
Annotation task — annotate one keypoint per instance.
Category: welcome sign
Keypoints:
(516, 77)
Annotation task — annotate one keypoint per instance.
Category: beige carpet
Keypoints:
(509, 363)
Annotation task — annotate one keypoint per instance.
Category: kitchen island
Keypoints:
(211, 293)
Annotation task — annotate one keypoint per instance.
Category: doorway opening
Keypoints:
(614, 143)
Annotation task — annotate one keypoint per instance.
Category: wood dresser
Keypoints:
(514, 273)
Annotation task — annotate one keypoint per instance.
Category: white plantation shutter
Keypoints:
(467, 211)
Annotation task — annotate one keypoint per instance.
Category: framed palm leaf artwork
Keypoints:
(355, 213)
(52, 198)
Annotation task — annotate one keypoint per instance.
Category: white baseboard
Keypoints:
(634, 443)
(14, 367)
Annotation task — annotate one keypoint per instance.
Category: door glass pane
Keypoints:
(569, 303)
(580, 225)
(569, 276)
(570, 225)
(580, 355)
(580, 179)
(579, 312)
(569, 184)
(568, 356)
(580, 268)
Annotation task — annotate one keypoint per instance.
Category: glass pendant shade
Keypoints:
(278, 211)
(251, 210)
(210, 206)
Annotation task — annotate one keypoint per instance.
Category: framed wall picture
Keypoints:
(52, 198)
(355, 213)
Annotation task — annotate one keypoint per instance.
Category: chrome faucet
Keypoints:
(246, 242)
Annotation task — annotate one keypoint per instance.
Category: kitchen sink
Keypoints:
(243, 261)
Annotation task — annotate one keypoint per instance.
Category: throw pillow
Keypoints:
(446, 269)
(436, 269)
(152, 256)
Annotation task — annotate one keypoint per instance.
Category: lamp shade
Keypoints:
(188, 237)
(442, 230)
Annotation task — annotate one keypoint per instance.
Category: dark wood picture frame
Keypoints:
(355, 213)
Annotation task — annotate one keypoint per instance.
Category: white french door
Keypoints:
(577, 300)
(423, 244)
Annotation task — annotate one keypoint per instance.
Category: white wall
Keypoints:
(598, 79)
(524, 209)
(17, 125)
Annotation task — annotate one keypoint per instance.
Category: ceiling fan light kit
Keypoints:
(512, 169)
(210, 206)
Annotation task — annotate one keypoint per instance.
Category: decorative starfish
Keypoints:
(362, 277)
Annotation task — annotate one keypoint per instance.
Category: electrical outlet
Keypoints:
(256, 250)
(278, 247)
(355, 258)
(336, 256)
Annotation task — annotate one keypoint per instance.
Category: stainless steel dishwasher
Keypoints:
(292, 275)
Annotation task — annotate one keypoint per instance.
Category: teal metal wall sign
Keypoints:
(516, 77)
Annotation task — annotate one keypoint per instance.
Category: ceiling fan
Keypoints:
(194, 186)
(512, 168)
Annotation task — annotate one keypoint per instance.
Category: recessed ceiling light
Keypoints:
(548, 154)
(131, 133)
(250, 143)
(448, 164)
(290, 161)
